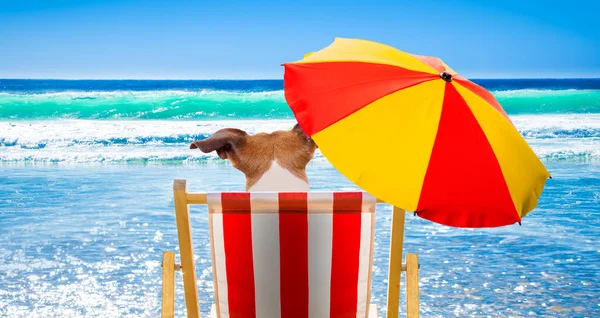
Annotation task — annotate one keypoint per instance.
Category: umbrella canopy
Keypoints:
(412, 132)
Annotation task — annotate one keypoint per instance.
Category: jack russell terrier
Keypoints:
(274, 162)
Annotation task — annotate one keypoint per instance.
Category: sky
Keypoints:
(130, 39)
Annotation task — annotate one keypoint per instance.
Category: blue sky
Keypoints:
(250, 39)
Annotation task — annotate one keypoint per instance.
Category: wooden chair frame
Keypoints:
(183, 199)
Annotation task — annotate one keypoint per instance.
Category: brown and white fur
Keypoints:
(270, 161)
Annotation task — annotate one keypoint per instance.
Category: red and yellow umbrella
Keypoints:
(415, 134)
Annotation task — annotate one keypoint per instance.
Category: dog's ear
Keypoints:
(222, 141)
(298, 130)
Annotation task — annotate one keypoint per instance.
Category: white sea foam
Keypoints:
(546, 92)
(551, 136)
(147, 93)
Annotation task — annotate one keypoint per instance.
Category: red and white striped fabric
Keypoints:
(292, 254)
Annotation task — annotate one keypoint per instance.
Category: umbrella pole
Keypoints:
(395, 265)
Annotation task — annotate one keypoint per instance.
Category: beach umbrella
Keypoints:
(412, 132)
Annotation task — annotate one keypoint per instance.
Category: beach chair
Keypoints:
(288, 255)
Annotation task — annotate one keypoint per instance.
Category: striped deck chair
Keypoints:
(282, 255)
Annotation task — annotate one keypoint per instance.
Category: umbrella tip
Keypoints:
(446, 76)
(519, 223)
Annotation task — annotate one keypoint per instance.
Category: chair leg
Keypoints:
(186, 250)
(395, 263)
(168, 285)
(412, 285)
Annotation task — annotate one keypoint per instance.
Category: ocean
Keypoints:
(86, 208)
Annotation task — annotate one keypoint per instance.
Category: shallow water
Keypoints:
(86, 240)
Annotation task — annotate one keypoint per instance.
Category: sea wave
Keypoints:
(167, 104)
(207, 104)
(543, 101)
(553, 137)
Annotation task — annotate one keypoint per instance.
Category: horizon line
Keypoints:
(252, 79)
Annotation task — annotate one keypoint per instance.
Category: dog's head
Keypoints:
(264, 157)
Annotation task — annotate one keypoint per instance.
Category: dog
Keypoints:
(271, 162)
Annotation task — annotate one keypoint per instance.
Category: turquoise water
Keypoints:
(86, 169)
(210, 104)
